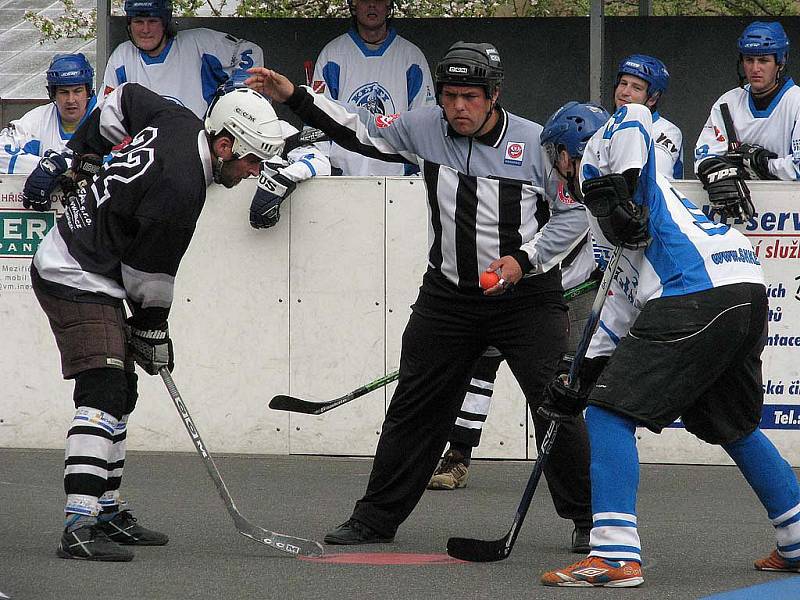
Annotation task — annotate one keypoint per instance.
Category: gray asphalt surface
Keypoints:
(701, 529)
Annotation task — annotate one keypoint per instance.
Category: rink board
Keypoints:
(316, 307)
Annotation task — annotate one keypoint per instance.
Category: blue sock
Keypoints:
(767, 472)
(615, 461)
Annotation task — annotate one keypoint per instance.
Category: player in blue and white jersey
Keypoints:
(49, 127)
(765, 115)
(373, 67)
(186, 67)
(692, 352)
(643, 79)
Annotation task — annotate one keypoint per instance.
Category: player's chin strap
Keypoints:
(216, 168)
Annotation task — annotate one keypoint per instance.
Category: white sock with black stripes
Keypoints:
(88, 447)
(110, 502)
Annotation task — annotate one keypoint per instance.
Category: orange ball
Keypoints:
(489, 279)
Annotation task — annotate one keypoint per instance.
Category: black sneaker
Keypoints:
(580, 540)
(91, 543)
(124, 529)
(354, 532)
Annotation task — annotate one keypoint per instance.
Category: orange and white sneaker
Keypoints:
(596, 572)
(775, 562)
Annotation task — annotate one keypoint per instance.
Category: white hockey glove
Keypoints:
(273, 188)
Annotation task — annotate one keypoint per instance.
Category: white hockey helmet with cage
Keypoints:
(250, 119)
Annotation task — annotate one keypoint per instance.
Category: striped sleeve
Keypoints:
(375, 136)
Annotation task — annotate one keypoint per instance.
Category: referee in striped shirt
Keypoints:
(489, 195)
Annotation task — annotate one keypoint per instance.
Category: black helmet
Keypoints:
(466, 63)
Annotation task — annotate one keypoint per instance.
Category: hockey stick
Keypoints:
(279, 541)
(308, 67)
(292, 404)
(474, 550)
(727, 122)
(297, 405)
(734, 144)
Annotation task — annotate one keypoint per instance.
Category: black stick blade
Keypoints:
(478, 550)
(297, 405)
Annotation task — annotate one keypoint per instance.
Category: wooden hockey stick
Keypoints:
(473, 550)
(284, 543)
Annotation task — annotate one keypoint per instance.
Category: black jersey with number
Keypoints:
(125, 235)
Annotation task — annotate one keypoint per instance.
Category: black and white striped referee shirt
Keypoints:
(487, 197)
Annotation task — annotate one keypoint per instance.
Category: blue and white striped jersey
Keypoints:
(776, 128)
(687, 253)
(26, 139)
(389, 79)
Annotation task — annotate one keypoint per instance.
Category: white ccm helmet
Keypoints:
(250, 119)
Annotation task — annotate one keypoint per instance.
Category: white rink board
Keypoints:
(316, 307)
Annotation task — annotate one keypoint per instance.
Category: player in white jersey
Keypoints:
(764, 118)
(49, 127)
(693, 350)
(643, 79)
(373, 67)
(186, 67)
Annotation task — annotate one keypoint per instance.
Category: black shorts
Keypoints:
(697, 357)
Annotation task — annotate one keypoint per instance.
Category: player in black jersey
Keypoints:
(121, 239)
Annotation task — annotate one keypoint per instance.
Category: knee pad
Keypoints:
(103, 389)
(133, 391)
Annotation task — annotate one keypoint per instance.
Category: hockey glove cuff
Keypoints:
(754, 159)
(728, 194)
(609, 199)
(152, 348)
(43, 180)
(273, 188)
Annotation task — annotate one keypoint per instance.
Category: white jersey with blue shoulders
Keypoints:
(387, 80)
(189, 69)
(668, 145)
(687, 253)
(776, 128)
(26, 139)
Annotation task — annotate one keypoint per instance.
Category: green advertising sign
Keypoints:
(22, 230)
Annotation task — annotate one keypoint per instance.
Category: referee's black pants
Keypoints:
(441, 343)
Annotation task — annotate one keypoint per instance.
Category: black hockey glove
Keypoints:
(561, 403)
(43, 180)
(754, 159)
(84, 168)
(151, 348)
(273, 188)
(727, 192)
(621, 220)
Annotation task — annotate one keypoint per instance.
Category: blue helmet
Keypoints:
(69, 69)
(760, 38)
(571, 126)
(648, 68)
(161, 9)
